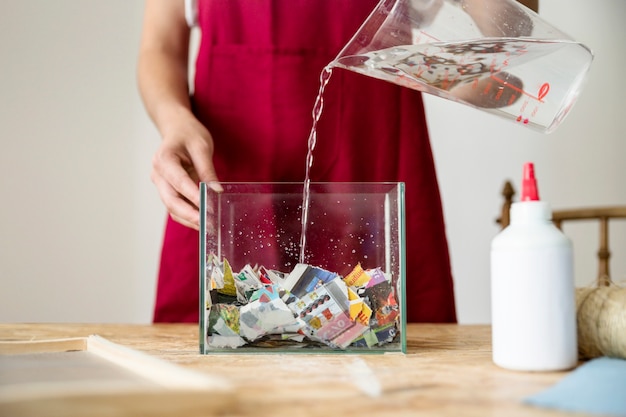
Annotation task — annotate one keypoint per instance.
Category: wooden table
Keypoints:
(447, 372)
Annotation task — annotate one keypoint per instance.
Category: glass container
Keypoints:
(271, 282)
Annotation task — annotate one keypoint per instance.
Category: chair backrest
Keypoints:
(601, 214)
(531, 4)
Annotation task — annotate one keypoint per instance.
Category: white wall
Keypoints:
(81, 223)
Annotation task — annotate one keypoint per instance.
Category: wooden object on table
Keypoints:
(600, 214)
(531, 4)
(447, 371)
(601, 317)
(90, 376)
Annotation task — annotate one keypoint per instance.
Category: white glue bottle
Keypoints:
(532, 289)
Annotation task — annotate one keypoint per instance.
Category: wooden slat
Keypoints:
(618, 212)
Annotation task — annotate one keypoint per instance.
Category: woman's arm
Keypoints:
(185, 155)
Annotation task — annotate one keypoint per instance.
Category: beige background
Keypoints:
(81, 223)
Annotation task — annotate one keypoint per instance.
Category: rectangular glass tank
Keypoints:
(271, 282)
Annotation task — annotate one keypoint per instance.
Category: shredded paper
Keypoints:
(309, 306)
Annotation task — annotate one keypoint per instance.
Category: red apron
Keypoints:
(257, 76)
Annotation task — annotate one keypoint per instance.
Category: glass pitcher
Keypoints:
(494, 55)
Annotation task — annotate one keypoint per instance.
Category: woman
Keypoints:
(249, 117)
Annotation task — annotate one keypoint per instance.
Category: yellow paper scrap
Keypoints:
(352, 295)
(365, 315)
(229, 281)
(356, 306)
(357, 278)
(315, 322)
(359, 311)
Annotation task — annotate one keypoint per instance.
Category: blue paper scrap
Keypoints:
(596, 387)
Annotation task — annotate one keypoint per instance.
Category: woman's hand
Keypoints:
(185, 155)
(183, 159)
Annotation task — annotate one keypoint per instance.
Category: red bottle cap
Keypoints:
(529, 183)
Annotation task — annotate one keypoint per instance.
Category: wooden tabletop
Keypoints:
(447, 371)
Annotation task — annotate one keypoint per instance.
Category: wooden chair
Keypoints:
(601, 214)
(531, 4)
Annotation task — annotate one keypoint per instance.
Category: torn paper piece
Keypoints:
(357, 278)
(386, 333)
(214, 273)
(265, 294)
(277, 277)
(259, 318)
(334, 318)
(378, 277)
(228, 285)
(364, 315)
(250, 275)
(383, 302)
(246, 283)
(345, 338)
(224, 317)
(376, 337)
(217, 341)
(305, 279)
(368, 339)
(356, 304)
(359, 310)
(223, 330)
(295, 337)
